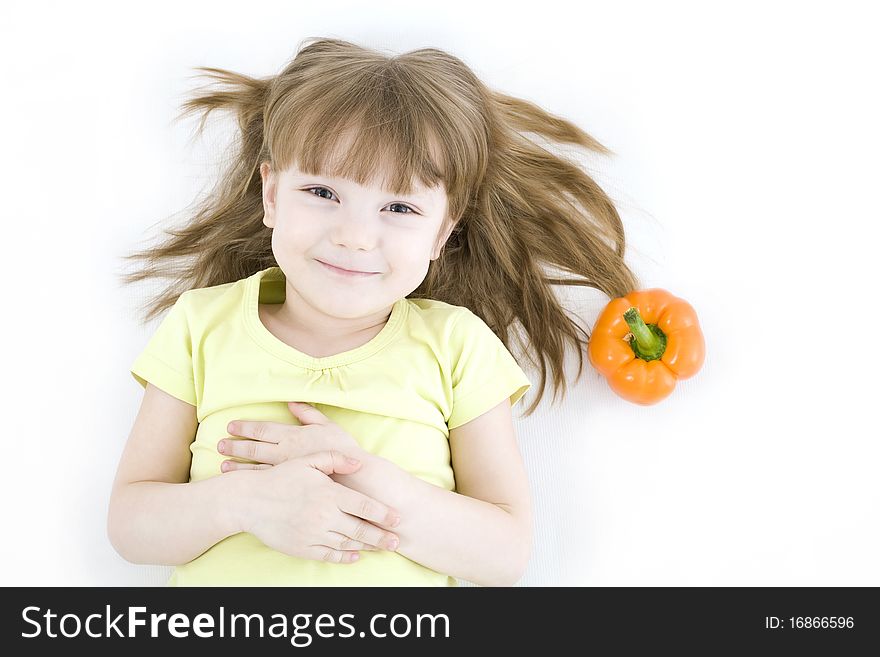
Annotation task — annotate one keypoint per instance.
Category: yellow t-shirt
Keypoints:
(432, 367)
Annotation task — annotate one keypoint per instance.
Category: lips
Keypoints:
(353, 271)
(346, 271)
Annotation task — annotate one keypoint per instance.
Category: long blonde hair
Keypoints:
(514, 205)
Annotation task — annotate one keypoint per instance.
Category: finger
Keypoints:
(366, 532)
(254, 450)
(307, 413)
(358, 504)
(331, 461)
(229, 466)
(343, 542)
(332, 555)
(258, 430)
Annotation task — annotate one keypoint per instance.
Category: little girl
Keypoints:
(348, 291)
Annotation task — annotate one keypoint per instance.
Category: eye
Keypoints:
(411, 211)
(311, 189)
(314, 188)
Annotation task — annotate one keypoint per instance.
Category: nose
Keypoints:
(355, 230)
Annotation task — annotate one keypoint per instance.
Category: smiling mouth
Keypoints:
(346, 272)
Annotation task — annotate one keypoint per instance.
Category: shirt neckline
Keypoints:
(265, 338)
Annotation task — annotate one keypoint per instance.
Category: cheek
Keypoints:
(412, 246)
(294, 236)
(411, 260)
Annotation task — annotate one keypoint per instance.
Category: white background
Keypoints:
(746, 148)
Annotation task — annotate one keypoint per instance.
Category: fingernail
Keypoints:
(394, 521)
(354, 557)
(221, 445)
(351, 460)
(393, 543)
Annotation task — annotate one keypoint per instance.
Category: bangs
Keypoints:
(373, 134)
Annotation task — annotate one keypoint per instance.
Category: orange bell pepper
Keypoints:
(645, 342)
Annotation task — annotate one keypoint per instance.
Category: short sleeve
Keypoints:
(484, 372)
(166, 361)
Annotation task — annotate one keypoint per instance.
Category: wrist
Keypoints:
(377, 477)
(235, 500)
(359, 453)
(360, 479)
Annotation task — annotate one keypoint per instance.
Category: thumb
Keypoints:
(306, 413)
(332, 461)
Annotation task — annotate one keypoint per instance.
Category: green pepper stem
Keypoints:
(647, 343)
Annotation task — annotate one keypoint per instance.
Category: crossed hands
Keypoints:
(295, 506)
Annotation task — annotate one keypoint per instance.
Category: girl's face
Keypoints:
(358, 228)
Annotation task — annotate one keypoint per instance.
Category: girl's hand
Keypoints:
(271, 443)
(296, 508)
